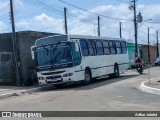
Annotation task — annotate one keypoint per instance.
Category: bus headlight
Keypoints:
(68, 74)
(41, 78)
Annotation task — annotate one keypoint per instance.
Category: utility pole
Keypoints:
(148, 48)
(14, 44)
(120, 29)
(157, 45)
(98, 26)
(65, 20)
(137, 19)
(135, 27)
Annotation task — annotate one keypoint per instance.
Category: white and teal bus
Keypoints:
(69, 58)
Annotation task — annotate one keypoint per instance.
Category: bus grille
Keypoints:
(53, 77)
(51, 73)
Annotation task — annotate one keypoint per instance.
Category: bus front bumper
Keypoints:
(55, 81)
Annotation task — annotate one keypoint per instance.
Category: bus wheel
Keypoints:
(88, 77)
(116, 71)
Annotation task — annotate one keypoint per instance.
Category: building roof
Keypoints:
(133, 44)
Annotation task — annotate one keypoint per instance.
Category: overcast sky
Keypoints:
(48, 17)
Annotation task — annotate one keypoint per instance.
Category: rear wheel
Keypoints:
(116, 72)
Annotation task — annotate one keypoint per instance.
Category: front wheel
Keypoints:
(88, 77)
(140, 69)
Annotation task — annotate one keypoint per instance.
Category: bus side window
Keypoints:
(91, 48)
(99, 47)
(106, 48)
(118, 47)
(84, 48)
(124, 47)
(112, 47)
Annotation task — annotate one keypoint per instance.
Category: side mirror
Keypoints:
(32, 52)
(76, 47)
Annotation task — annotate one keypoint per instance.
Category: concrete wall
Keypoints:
(5, 42)
(27, 65)
(25, 40)
(7, 70)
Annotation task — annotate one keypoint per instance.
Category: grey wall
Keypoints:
(25, 40)
(6, 65)
(27, 65)
(5, 42)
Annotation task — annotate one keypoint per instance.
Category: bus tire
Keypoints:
(111, 75)
(88, 77)
(116, 71)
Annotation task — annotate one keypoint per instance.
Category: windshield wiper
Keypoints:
(55, 58)
(44, 67)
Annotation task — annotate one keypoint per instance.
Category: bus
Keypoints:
(64, 59)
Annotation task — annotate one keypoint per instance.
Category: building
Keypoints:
(153, 53)
(25, 39)
(131, 52)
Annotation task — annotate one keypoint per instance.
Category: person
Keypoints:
(138, 60)
(138, 64)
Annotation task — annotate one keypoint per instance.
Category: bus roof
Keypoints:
(59, 38)
(95, 37)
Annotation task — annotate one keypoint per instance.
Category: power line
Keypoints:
(123, 1)
(59, 10)
(47, 6)
(92, 12)
(56, 6)
(81, 19)
(151, 27)
(104, 25)
(44, 5)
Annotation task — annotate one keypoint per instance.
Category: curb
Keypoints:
(7, 95)
(33, 90)
(25, 91)
(149, 89)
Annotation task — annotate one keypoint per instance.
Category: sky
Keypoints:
(48, 16)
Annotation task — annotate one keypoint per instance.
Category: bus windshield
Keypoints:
(53, 54)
